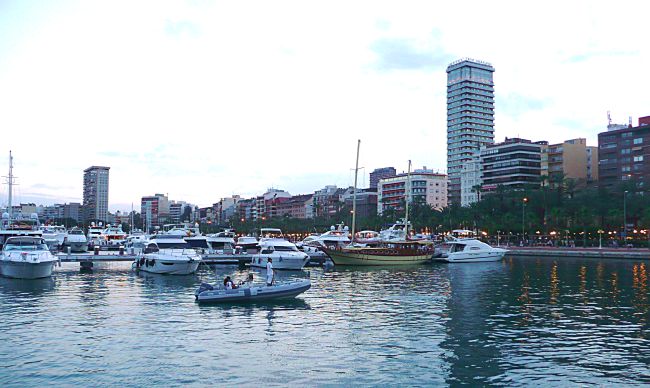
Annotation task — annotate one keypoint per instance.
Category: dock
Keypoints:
(594, 253)
(87, 258)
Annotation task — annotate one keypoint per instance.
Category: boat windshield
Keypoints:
(285, 249)
(23, 245)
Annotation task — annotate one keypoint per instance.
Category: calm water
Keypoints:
(517, 322)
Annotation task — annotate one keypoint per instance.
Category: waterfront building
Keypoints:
(644, 121)
(245, 209)
(328, 201)
(381, 173)
(225, 209)
(366, 201)
(154, 210)
(266, 205)
(571, 159)
(624, 156)
(177, 209)
(298, 206)
(426, 187)
(514, 163)
(470, 116)
(95, 194)
(470, 181)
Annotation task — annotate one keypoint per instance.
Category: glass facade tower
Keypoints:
(470, 117)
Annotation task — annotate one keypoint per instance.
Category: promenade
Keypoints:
(600, 253)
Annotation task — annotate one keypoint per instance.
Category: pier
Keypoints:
(595, 253)
(86, 259)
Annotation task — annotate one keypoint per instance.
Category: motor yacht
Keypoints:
(94, 235)
(173, 260)
(285, 255)
(338, 236)
(248, 244)
(470, 251)
(220, 243)
(54, 235)
(76, 240)
(396, 232)
(26, 257)
(113, 236)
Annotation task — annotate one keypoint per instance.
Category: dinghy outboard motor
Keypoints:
(203, 287)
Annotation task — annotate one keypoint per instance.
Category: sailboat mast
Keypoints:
(354, 194)
(11, 184)
(407, 197)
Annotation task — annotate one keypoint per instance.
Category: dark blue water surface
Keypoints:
(517, 322)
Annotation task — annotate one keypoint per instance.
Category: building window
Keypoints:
(638, 158)
(625, 169)
(625, 177)
(638, 140)
(625, 151)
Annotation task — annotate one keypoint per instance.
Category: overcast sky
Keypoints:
(202, 99)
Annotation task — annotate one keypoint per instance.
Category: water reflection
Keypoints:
(26, 287)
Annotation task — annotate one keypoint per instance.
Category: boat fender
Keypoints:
(280, 259)
(153, 261)
(141, 262)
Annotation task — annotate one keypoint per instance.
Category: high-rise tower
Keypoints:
(470, 116)
(95, 204)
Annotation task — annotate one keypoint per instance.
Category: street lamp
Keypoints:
(600, 238)
(523, 219)
(625, 216)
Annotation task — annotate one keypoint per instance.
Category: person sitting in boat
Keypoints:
(228, 283)
(248, 282)
(269, 272)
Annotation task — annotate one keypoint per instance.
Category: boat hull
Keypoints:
(26, 270)
(78, 246)
(250, 294)
(366, 257)
(171, 268)
(279, 262)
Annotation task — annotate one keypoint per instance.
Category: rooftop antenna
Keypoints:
(630, 121)
(609, 118)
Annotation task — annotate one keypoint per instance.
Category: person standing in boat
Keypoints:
(269, 272)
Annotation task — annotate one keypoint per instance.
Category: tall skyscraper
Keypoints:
(470, 117)
(95, 206)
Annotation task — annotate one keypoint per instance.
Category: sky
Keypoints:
(205, 99)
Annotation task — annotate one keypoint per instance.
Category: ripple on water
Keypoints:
(519, 322)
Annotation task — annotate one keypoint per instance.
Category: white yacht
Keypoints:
(26, 258)
(94, 234)
(338, 236)
(220, 243)
(285, 255)
(19, 225)
(54, 235)
(270, 233)
(113, 236)
(470, 251)
(174, 260)
(181, 230)
(248, 244)
(396, 232)
(76, 240)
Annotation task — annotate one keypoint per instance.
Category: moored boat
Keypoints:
(285, 255)
(76, 240)
(170, 261)
(470, 251)
(26, 258)
(209, 294)
(395, 253)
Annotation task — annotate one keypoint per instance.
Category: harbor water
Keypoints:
(518, 322)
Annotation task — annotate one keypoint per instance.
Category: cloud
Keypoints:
(515, 104)
(586, 56)
(400, 54)
(182, 29)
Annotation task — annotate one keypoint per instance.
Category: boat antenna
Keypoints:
(10, 181)
(354, 194)
(407, 197)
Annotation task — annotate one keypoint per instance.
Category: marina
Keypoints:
(533, 321)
